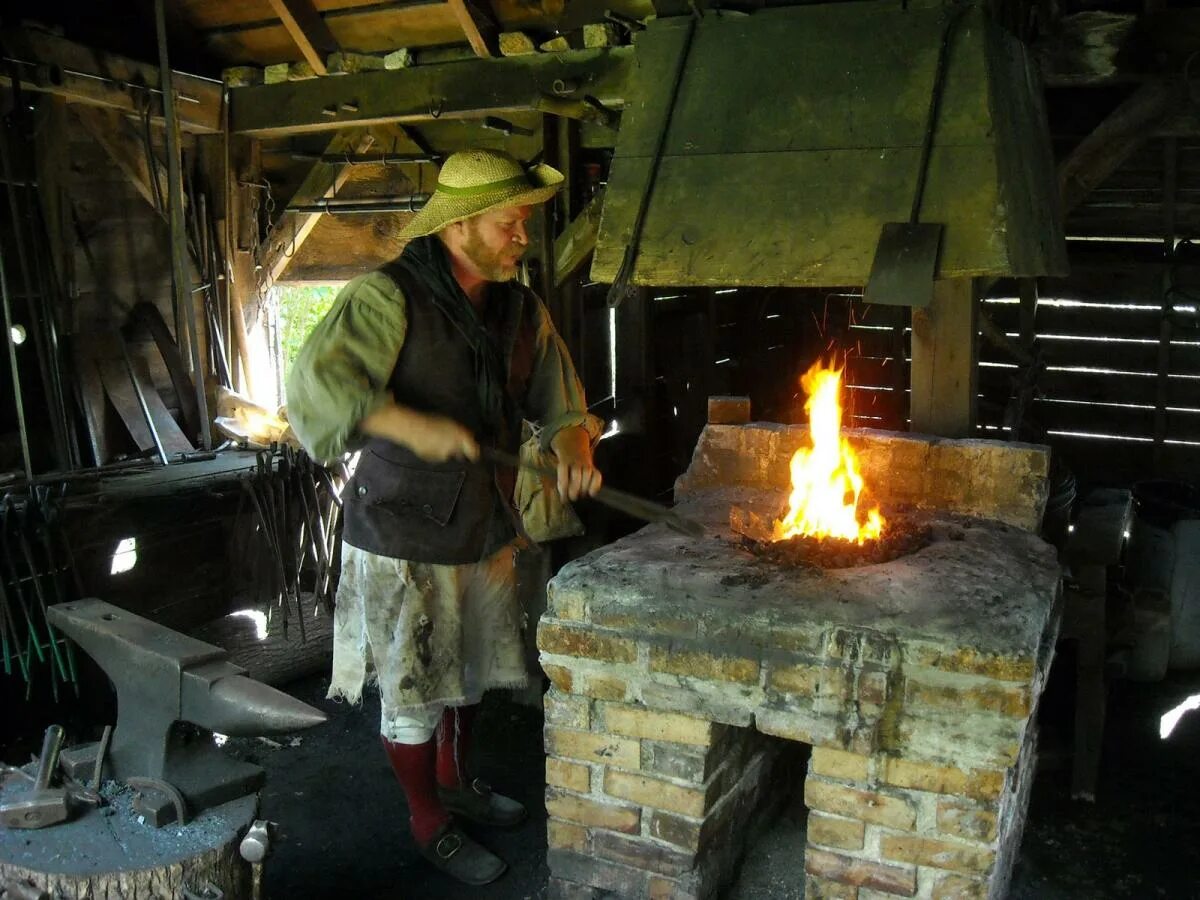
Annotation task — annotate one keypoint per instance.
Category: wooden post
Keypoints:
(543, 240)
(244, 168)
(944, 356)
(560, 142)
(1027, 289)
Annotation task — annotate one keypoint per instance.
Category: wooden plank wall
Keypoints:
(1100, 334)
(1099, 331)
(1130, 201)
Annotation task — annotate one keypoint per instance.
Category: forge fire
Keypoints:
(828, 522)
(827, 486)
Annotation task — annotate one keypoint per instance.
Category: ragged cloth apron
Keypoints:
(429, 635)
(427, 603)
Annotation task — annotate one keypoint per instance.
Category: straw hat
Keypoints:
(475, 181)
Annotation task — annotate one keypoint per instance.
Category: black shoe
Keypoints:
(477, 803)
(462, 858)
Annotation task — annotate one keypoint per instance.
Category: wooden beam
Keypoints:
(307, 29)
(1124, 130)
(125, 146)
(573, 247)
(323, 180)
(90, 77)
(944, 355)
(463, 90)
(478, 23)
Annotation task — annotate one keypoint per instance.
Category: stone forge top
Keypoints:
(939, 654)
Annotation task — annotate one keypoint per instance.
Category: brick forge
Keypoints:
(681, 668)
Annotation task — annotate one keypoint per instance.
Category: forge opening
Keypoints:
(775, 832)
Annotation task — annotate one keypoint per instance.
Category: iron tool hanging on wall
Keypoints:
(621, 283)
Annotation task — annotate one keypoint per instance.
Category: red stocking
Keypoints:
(415, 766)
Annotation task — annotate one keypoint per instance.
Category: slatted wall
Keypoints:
(1099, 399)
(1105, 334)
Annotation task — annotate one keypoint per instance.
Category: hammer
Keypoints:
(41, 805)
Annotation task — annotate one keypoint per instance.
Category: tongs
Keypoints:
(630, 504)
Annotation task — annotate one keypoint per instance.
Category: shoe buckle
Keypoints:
(448, 845)
(481, 787)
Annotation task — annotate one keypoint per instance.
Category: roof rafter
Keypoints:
(308, 30)
(479, 24)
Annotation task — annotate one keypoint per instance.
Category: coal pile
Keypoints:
(900, 538)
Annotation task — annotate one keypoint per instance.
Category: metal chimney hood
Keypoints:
(796, 135)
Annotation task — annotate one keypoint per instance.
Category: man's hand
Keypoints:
(433, 438)
(577, 474)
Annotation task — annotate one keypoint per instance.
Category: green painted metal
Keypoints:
(797, 134)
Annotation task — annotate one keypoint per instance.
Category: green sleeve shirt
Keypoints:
(341, 372)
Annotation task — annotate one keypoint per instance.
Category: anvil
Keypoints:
(164, 678)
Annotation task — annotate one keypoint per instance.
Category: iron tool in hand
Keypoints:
(631, 505)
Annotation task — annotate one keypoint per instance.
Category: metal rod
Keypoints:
(620, 284)
(124, 85)
(352, 159)
(37, 311)
(935, 102)
(52, 289)
(411, 203)
(16, 375)
(630, 504)
(178, 231)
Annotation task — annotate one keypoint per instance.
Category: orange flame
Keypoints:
(826, 483)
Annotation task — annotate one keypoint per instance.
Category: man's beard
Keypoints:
(492, 265)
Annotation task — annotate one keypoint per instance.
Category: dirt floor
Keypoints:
(343, 833)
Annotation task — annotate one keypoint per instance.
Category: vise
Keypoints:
(164, 679)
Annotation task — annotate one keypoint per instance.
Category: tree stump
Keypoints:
(112, 853)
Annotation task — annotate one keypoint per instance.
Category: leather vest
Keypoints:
(454, 512)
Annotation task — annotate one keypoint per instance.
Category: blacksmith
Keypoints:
(417, 365)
